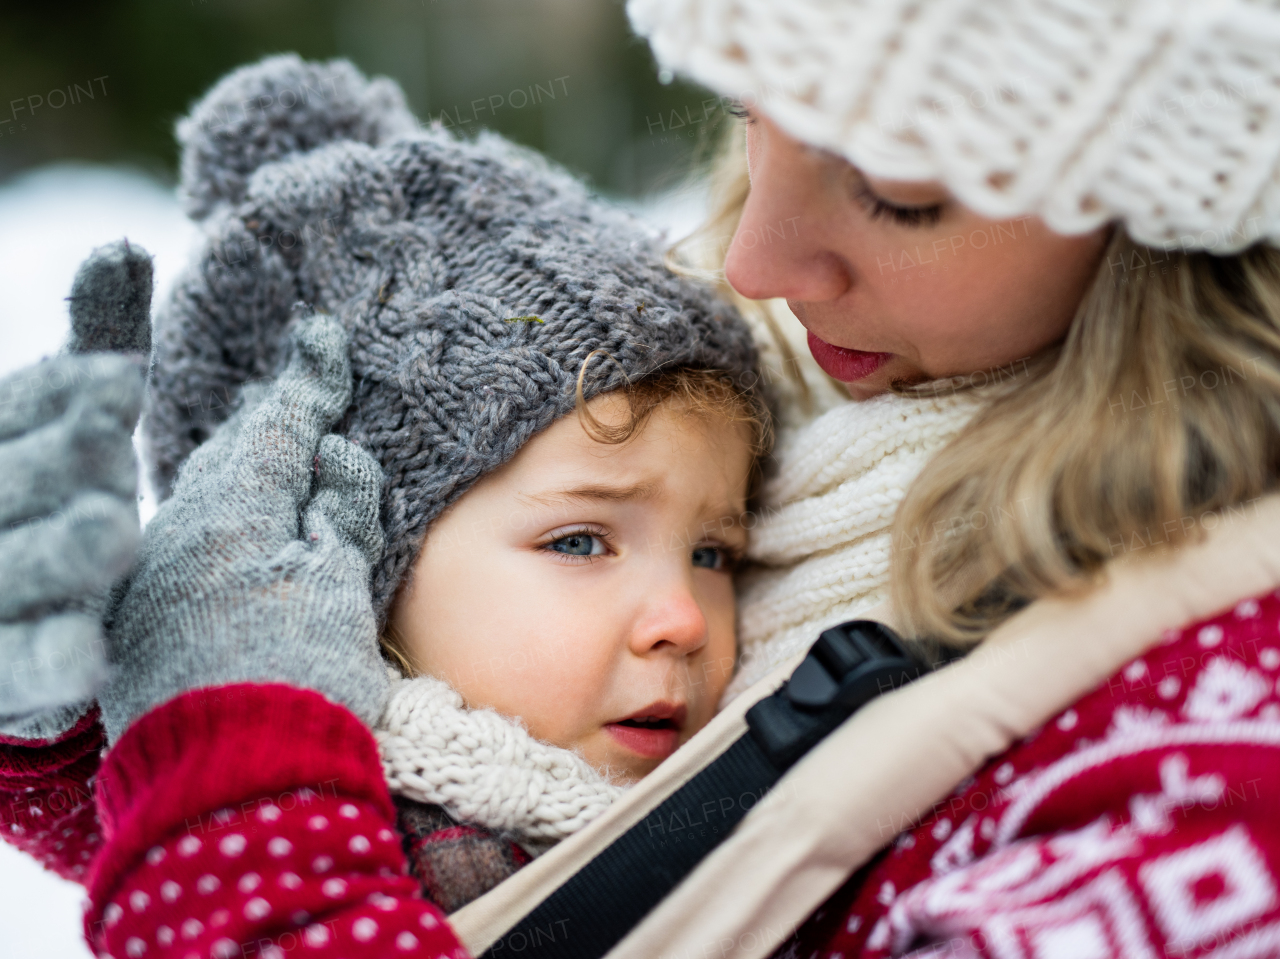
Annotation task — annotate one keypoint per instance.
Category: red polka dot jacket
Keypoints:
(1143, 821)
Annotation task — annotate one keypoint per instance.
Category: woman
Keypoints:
(1035, 249)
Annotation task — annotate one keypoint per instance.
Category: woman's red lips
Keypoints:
(844, 364)
(652, 732)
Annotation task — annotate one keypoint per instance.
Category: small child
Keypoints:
(567, 431)
(584, 590)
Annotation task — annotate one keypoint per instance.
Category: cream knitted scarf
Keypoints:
(484, 768)
(821, 546)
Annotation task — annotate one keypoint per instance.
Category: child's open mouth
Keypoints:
(653, 732)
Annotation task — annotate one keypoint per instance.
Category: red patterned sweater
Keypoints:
(250, 820)
(1144, 821)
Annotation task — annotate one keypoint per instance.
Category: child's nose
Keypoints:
(673, 619)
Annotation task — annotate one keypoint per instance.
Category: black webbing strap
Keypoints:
(595, 908)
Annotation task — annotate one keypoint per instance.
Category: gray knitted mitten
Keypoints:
(257, 568)
(68, 509)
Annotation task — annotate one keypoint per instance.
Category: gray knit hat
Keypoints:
(474, 277)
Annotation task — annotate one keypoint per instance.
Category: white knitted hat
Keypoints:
(1164, 114)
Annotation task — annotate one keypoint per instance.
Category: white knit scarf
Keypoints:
(484, 768)
(821, 546)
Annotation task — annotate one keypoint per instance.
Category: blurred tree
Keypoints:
(564, 76)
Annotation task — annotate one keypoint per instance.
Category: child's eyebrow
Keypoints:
(595, 492)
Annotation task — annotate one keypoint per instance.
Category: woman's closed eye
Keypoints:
(878, 207)
(738, 110)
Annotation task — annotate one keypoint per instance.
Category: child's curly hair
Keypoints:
(707, 393)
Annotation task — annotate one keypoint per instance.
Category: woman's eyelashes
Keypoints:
(738, 111)
(877, 207)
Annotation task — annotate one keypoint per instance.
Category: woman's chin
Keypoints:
(880, 381)
(866, 389)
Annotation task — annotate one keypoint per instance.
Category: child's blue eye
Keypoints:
(577, 544)
(710, 557)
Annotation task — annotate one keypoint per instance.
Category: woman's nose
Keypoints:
(781, 247)
(673, 620)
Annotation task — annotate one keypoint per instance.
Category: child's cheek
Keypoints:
(712, 669)
(551, 669)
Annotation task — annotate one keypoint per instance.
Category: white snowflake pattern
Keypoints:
(1225, 690)
(1150, 812)
(1019, 879)
(1126, 720)
(880, 934)
(1245, 889)
(957, 852)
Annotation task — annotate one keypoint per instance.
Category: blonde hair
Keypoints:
(1161, 404)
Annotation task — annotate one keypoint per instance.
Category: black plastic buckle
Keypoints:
(847, 667)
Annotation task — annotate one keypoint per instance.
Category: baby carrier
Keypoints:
(833, 755)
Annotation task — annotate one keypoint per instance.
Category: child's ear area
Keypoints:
(392, 641)
(393, 650)
(399, 634)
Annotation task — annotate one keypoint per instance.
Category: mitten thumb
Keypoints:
(343, 513)
(111, 301)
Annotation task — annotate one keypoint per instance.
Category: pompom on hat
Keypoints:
(474, 278)
(1163, 115)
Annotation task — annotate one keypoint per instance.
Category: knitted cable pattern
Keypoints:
(484, 768)
(475, 279)
(1165, 115)
(821, 549)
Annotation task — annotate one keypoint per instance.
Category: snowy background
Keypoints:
(50, 219)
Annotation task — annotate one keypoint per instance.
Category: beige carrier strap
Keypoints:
(482, 922)
(885, 767)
